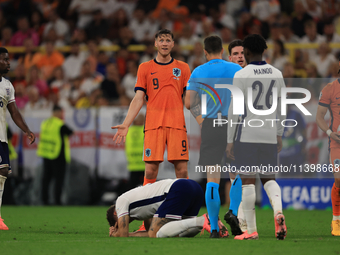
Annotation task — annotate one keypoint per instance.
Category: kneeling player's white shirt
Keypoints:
(6, 97)
(260, 78)
(142, 202)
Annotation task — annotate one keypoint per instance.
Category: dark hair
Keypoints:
(164, 32)
(56, 108)
(282, 47)
(110, 217)
(213, 44)
(3, 50)
(233, 44)
(255, 43)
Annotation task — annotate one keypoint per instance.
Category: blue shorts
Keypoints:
(249, 156)
(185, 198)
(4, 156)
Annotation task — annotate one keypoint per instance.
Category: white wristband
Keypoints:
(329, 132)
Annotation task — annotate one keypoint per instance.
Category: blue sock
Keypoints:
(213, 202)
(235, 195)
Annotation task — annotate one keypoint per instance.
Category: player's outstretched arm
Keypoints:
(322, 124)
(135, 106)
(19, 121)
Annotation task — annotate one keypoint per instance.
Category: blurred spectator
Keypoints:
(164, 5)
(226, 19)
(122, 58)
(129, 80)
(84, 9)
(80, 36)
(58, 80)
(46, 6)
(139, 25)
(74, 93)
(330, 34)
(275, 32)
(33, 78)
(98, 26)
(102, 101)
(187, 39)
(330, 7)
(233, 6)
(3, 20)
(126, 37)
(34, 101)
(24, 31)
(92, 54)
(153, 28)
(208, 28)
(149, 52)
(49, 60)
(165, 21)
(14, 9)
(312, 37)
(54, 38)
(279, 55)
(6, 36)
(323, 59)
(90, 101)
(60, 25)
(110, 86)
(180, 17)
(313, 81)
(147, 5)
(314, 9)
(226, 35)
(38, 23)
(120, 20)
(265, 10)
(333, 71)
(300, 18)
(287, 32)
(197, 57)
(103, 60)
(21, 98)
(30, 57)
(73, 63)
(107, 7)
(19, 76)
(245, 24)
(90, 80)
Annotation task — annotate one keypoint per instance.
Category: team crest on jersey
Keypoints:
(148, 152)
(7, 91)
(176, 72)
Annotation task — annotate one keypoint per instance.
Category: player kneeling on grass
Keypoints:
(168, 209)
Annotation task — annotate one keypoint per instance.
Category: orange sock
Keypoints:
(335, 195)
(146, 181)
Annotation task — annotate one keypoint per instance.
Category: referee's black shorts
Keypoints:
(213, 142)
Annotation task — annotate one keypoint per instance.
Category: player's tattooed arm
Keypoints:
(123, 227)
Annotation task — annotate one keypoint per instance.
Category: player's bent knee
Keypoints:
(152, 234)
(160, 234)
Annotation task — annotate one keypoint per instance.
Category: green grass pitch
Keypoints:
(84, 230)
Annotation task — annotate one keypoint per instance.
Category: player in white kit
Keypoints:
(7, 101)
(168, 209)
(255, 143)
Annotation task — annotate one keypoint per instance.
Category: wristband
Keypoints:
(329, 132)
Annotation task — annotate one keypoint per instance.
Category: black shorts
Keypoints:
(213, 143)
(4, 156)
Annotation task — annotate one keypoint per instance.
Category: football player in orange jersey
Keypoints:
(163, 81)
(329, 99)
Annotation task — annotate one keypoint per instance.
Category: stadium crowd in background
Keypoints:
(88, 75)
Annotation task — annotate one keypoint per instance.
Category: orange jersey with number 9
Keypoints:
(164, 85)
(330, 97)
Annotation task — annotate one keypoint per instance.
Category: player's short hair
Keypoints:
(234, 44)
(3, 50)
(164, 32)
(110, 217)
(255, 43)
(213, 44)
